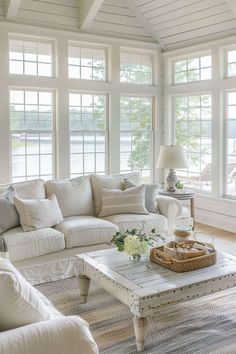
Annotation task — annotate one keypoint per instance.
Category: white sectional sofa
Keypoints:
(48, 254)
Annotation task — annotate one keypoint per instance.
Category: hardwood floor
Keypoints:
(223, 240)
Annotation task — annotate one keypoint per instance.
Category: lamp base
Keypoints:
(171, 180)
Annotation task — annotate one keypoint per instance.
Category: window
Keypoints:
(136, 68)
(87, 63)
(230, 169)
(193, 69)
(231, 63)
(88, 114)
(193, 131)
(31, 115)
(30, 57)
(136, 135)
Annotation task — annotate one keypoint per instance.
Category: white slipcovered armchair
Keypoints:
(29, 324)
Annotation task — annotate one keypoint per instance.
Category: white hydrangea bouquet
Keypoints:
(135, 242)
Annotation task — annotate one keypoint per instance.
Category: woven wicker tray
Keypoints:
(157, 255)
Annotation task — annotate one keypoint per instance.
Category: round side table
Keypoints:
(187, 194)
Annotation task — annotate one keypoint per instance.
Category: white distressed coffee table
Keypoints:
(145, 286)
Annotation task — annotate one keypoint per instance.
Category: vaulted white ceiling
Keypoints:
(171, 23)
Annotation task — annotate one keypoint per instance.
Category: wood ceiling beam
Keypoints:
(145, 22)
(88, 11)
(232, 5)
(12, 7)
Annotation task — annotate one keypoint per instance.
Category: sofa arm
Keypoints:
(171, 208)
(68, 335)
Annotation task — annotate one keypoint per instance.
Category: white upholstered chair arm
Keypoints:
(68, 335)
(171, 208)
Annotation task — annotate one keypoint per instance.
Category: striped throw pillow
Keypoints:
(130, 201)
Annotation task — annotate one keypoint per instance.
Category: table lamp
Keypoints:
(171, 157)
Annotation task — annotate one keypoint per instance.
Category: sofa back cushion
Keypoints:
(34, 189)
(20, 303)
(110, 182)
(130, 201)
(74, 196)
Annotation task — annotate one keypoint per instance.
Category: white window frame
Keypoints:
(33, 131)
(199, 54)
(90, 46)
(106, 132)
(12, 36)
(225, 62)
(151, 130)
(141, 52)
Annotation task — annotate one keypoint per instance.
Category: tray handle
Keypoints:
(167, 258)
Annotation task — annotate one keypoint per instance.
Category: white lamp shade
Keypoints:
(172, 157)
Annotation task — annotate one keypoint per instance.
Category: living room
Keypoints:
(117, 115)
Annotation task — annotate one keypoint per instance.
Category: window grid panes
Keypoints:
(193, 69)
(87, 63)
(136, 135)
(231, 63)
(88, 135)
(230, 176)
(30, 57)
(193, 131)
(31, 117)
(136, 68)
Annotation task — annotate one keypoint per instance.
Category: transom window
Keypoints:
(193, 130)
(87, 63)
(31, 116)
(231, 62)
(230, 175)
(28, 57)
(88, 136)
(192, 69)
(136, 135)
(135, 68)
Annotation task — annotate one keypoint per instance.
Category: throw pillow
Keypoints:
(151, 192)
(74, 196)
(38, 213)
(8, 214)
(130, 201)
(109, 182)
(20, 303)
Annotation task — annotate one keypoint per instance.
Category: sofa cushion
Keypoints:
(9, 217)
(74, 196)
(34, 189)
(135, 221)
(115, 201)
(110, 182)
(20, 302)
(38, 213)
(151, 192)
(86, 230)
(29, 244)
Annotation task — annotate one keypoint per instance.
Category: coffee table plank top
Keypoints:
(146, 279)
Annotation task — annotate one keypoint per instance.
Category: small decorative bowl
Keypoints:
(182, 231)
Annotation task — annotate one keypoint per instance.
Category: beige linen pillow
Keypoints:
(38, 213)
(130, 201)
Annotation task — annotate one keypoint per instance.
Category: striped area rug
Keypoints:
(202, 326)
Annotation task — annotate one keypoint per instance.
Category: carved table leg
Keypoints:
(84, 283)
(140, 331)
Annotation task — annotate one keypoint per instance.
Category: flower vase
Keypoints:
(135, 257)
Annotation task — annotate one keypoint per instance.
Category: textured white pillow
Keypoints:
(34, 189)
(130, 201)
(38, 213)
(8, 214)
(20, 302)
(110, 182)
(74, 196)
